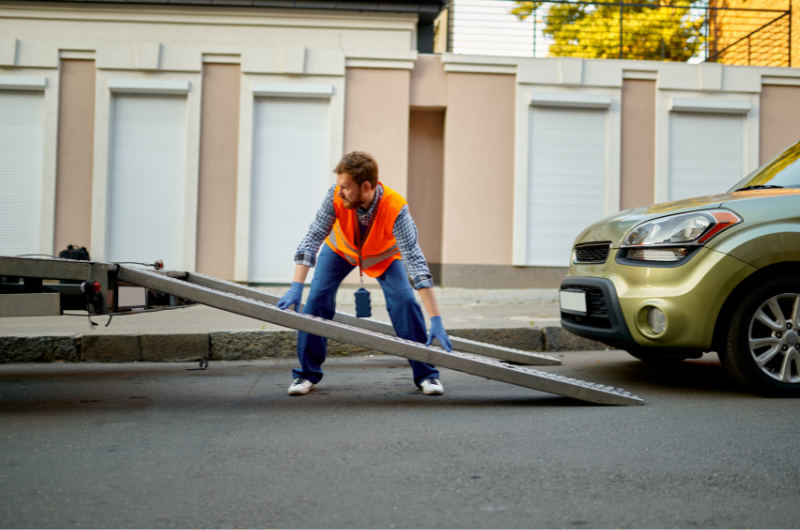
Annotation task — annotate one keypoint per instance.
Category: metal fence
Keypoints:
(680, 30)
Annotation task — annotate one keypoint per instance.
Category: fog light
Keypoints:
(656, 320)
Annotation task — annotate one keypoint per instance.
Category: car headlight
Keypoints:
(671, 238)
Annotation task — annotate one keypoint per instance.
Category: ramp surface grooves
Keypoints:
(470, 346)
(460, 361)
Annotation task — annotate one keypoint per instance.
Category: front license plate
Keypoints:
(573, 302)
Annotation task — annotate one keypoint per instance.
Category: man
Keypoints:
(366, 224)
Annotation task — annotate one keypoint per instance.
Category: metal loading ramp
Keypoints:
(456, 360)
(464, 345)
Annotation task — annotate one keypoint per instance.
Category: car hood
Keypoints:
(615, 227)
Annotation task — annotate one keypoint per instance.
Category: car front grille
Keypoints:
(596, 302)
(592, 253)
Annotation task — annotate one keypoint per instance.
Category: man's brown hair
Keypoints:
(360, 166)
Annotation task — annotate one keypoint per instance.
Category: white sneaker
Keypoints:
(432, 387)
(300, 387)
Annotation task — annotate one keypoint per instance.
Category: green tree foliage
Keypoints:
(668, 32)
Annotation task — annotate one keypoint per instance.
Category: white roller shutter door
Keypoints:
(21, 151)
(147, 179)
(566, 180)
(706, 153)
(290, 176)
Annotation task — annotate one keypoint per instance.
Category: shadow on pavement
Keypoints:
(377, 383)
(704, 375)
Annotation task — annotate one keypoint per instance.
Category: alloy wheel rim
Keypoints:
(774, 338)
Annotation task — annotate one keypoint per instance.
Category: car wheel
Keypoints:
(762, 349)
(651, 357)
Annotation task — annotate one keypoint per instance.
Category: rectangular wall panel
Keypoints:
(219, 151)
(425, 180)
(566, 180)
(21, 152)
(147, 174)
(290, 176)
(478, 227)
(376, 120)
(779, 122)
(638, 156)
(706, 153)
(75, 161)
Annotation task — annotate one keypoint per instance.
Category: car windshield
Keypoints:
(783, 171)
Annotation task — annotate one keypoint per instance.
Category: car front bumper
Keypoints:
(619, 296)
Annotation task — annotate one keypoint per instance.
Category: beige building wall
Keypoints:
(780, 120)
(376, 120)
(266, 38)
(425, 182)
(219, 149)
(638, 164)
(160, 49)
(428, 100)
(449, 131)
(75, 155)
(428, 83)
(479, 185)
(479, 169)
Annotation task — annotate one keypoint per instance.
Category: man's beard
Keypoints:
(358, 202)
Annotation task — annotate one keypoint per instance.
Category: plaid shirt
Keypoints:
(405, 232)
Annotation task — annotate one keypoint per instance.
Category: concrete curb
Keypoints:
(245, 345)
(44, 349)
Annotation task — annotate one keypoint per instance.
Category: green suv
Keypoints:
(719, 273)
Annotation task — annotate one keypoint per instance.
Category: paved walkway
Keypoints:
(460, 308)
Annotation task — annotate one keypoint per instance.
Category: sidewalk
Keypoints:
(523, 319)
(460, 308)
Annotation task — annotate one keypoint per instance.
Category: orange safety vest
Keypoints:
(380, 248)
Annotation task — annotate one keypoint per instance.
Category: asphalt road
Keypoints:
(153, 445)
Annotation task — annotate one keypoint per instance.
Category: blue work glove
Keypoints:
(438, 332)
(292, 297)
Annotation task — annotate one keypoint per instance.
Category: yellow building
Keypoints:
(754, 32)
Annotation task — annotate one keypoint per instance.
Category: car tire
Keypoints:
(762, 344)
(652, 357)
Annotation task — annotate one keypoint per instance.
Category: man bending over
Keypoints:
(364, 224)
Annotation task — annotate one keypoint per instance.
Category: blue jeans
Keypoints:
(404, 311)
